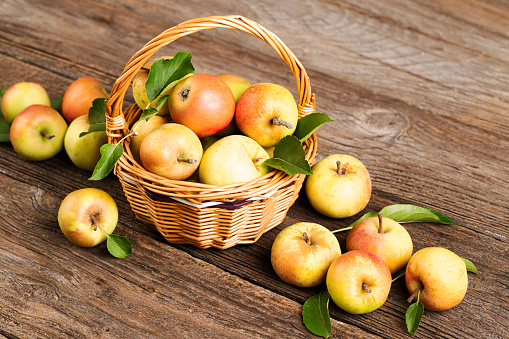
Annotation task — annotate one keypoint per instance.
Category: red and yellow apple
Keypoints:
(80, 94)
(202, 102)
(302, 253)
(142, 128)
(266, 113)
(384, 237)
(359, 282)
(21, 95)
(37, 133)
(339, 187)
(172, 151)
(440, 275)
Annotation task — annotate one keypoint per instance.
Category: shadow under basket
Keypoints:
(194, 213)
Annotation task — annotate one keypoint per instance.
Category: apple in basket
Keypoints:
(142, 129)
(202, 102)
(78, 97)
(21, 95)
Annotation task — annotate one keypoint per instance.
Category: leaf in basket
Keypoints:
(2, 91)
(290, 157)
(310, 123)
(109, 157)
(315, 314)
(96, 116)
(57, 103)
(119, 246)
(5, 128)
(151, 112)
(164, 72)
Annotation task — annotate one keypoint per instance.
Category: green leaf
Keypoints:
(289, 156)
(470, 266)
(57, 103)
(315, 314)
(310, 123)
(109, 157)
(2, 91)
(411, 213)
(413, 316)
(119, 246)
(151, 112)
(5, 128)
(165, 71)
(96, 116)
(367, 215)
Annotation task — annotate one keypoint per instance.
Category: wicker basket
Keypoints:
(194, 213)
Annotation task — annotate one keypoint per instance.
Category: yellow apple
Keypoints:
(21, 95)
(142, 129)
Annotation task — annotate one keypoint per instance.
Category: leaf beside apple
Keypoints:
(290, 157)
(315, 314)
(308, 124)
(2, 91)
(96, 116)
(5, 128)
(56, 104)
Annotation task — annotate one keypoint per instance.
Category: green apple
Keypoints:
(142, 128)
(86, 214)
(80, 94)
(359, 282)
(37, 133)
(21, 95)
(233, 159)
(302, 253)
(266, 113)
(384, 237)
(172, 151)
(84, 151)
(440, 275)
(339, 187)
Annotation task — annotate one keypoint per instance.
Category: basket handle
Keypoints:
(115, 122)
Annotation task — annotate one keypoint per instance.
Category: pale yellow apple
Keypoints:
(339, 191)
(142, 128)
(21, 95)
(233, 159)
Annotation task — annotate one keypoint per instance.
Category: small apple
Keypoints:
(78, 97)
(140, 93)
(143, 128)
(84, 151)
(266, 113)
(384, 237)
(172, 151)
(21, 95)
(359, 282)
(440, 275)
(202, 102)
(86, 214)
(302, 253)
(339, 187)
(37, 132)
(233, 159)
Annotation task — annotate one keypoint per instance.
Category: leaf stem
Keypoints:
(342, 229)
(416, 293)
(399, 276)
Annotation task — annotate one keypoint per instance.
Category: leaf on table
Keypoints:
(315, 314)
(163, 72)
(308, 124)
(290, 157)
(470, 266)
(57, 103)
(96, 116)
(5, 128)
(151, 112)
(2, 91)
(413, 316)
(119, 246)
(109, 157)
(411, 213)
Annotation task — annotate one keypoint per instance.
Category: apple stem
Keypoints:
(95, 220)
(366, 288)
(380, 230)
(47, 136)
(280, 122)
(187, 160)
(416, 292)
(341, 168)
(306, 238)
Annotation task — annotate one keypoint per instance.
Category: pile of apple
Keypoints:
(216, 130)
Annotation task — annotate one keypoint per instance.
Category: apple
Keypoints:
(339, 187)
(142, 128)
(37, 132)
(266, 113)
(84, 151)
(202, 102)
(172, 151)
(140, 93)
(440, 275)
(21, 95)
(206, 142)
(384, 237)
(302, 253)
(86, 214)
(359, 282)
(233, 159)
(80, 94)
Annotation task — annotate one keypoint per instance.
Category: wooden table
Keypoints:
(419, 91)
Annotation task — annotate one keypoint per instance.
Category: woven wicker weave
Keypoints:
(194, 213)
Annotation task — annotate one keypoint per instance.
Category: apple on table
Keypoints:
(21, 95)
(79, 96)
